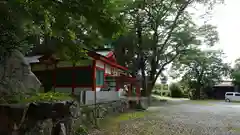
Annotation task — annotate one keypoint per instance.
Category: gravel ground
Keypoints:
(185, 118)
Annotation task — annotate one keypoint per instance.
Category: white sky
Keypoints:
(227, 19)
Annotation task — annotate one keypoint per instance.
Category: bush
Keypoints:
(176, 91)
(23, 97)
(81, 130)
(47, 97)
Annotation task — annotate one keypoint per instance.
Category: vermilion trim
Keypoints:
(100, 68)
(104, 81)
(76, 67)
(107, 74)
(94, 75)
(111, 57)
(109, 54)
(104, 59)
(113, 64)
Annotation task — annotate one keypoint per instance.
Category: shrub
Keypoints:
(81, 130)
(47, 97)
(176, 91)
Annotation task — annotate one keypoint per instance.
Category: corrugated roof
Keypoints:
(103, 53)
(225, 83)
(33, 59)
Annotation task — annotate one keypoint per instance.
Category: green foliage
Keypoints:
(81, 130)
(159, 87)
(11, 99)
(34, 97)
(236, 77)
(176, 90)
(235, 73)
(201, 69)
(63, 25)
(47, 97)
(159, 31)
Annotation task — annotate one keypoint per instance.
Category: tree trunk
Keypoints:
(197, 93)
(144, 86)
(142, 62)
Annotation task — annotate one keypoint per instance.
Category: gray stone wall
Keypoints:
(58, 118)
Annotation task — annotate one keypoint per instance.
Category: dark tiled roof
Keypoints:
(225, 83)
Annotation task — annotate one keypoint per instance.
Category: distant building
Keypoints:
(162, 90)
(220, 89)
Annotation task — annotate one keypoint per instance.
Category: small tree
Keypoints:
(176, 90)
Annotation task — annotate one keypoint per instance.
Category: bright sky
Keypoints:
(227, 18)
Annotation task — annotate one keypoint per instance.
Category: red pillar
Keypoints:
(94, 75)
(105, 75)
(94, 86)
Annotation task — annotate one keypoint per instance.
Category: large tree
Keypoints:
(158, 32)
(47, 23)
(201, 69)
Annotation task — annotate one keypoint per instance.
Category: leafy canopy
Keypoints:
(200, 68)
(159, 32)
(57, 22)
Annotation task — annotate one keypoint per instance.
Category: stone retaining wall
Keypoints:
(58, 118)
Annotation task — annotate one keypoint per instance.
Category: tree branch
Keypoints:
(173, 26)
(163, 66)
(163, 15)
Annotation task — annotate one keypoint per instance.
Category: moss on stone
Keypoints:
(47, 97)
(15, 98)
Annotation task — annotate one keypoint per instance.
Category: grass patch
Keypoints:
(15, 98)
(47, 97)
(235, 129)
(111, 125)
(114, 121)
(130, 116)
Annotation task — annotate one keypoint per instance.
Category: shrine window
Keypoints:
(99, 77)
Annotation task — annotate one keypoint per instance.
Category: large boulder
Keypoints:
(16, 75)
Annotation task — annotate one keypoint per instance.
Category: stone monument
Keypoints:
(16, 75)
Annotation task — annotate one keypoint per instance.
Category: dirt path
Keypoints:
(186, 118)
